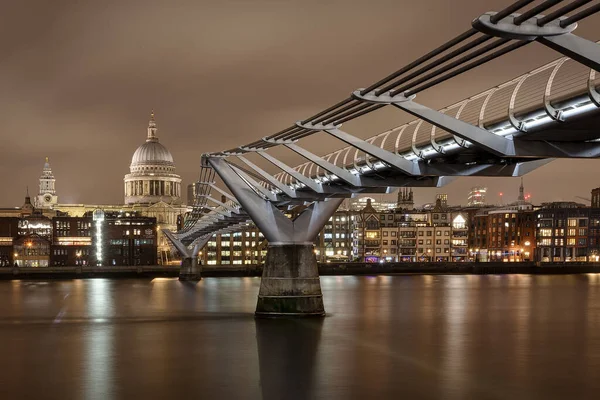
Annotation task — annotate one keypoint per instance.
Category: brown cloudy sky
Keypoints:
(78, 80)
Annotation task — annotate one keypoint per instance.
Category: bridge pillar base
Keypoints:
(290, 284)
(190, 269)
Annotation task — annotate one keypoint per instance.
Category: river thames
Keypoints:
(405, 336)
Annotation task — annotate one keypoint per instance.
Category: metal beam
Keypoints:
(224, 193)
(181, 248)
(394, 160)
(265, 215)
(482, 138)
(257, 187)
(272, 180)
(224, 205)
(327, 166)
(308, 182)
(579, 49)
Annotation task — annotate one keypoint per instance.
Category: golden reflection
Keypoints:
(428, 279)
(594, 279)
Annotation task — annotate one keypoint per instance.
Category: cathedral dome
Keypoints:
(152, 177)
(151, 153)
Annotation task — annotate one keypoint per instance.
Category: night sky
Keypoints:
(78, 80)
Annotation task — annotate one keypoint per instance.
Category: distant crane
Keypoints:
(584, 198)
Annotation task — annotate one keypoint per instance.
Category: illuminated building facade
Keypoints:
(247, 246)
(72, 241)
(334, 242)
(477, 196)
(564, 230)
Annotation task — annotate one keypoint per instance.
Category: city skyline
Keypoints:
(74, 93)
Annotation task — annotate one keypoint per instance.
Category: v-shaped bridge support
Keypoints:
(190, 270)
(290, 284)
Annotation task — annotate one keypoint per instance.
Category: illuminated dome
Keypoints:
(151, 153)
(152, 176)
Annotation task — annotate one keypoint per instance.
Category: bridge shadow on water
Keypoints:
(287, 352)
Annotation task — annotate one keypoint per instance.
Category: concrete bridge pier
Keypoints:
(191, 269)
(290, 282)
(290, 285)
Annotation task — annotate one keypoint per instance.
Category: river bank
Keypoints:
(324, 269)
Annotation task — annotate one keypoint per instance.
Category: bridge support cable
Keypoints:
(290, 284)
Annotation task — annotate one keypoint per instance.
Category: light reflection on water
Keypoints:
(411, 336)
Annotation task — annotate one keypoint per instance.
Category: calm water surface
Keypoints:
(411, 337)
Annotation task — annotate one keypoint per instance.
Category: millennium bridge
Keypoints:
(508, 130)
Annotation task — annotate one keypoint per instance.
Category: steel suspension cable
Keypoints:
(467, 67)
(421, 60)
(535, 11)
(562, 11)
(452, 65)
(580, 15)
(509, 10)
(435, 63)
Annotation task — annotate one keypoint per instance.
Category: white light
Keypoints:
(579, 110)
(99, 239)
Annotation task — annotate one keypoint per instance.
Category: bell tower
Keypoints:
(46, 197)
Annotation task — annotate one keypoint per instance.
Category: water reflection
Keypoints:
(412, 337)
(287, 351)
(99, 342)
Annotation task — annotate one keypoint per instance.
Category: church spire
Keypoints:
(46, 197)
(152, 129)
(521, 191)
